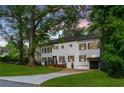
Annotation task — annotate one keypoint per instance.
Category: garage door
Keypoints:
(94, 64)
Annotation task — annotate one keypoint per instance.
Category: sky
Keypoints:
(2, 42)
(83, 23)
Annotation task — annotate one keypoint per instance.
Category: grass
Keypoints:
(88, 79)
(18, 70)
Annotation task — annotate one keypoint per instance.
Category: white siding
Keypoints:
(74, 51)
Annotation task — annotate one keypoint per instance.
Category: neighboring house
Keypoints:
(78, 53)
(3, 51)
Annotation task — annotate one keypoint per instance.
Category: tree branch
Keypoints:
(45, 13)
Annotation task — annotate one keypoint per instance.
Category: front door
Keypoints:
(55, 59)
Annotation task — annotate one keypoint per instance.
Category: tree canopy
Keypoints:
(108, 22)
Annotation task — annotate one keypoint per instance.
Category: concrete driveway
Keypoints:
(38, 79)
(5, 83)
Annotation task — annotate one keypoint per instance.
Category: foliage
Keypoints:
(115, 65)
(13, 51)
(14, 18)
(113, 54)
(35, 24)
(4, 59)
(69, 27)
(108, 22)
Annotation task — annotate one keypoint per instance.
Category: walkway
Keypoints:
(38, 79)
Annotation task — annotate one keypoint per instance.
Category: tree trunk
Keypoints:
(32, 39)
(21, 46)
(102, 42)
(101, 48)
(31, 51)
(21, 56)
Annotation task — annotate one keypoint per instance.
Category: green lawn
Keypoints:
(16, 70)
(88, 79)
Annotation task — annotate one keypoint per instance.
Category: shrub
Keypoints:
(4, 59)
(103, 66)
(116, 68)
(115, 65)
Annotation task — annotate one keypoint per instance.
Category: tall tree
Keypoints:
(15, 17)
(108, 21)
(40, 21)
(102, 21)
(44, 19)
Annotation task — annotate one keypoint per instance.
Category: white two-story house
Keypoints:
(77, 53)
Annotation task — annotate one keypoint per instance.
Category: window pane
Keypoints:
(70, 45)
(50, 50)
(82, 46)
(55, 47)
(47, 50)
(70, 58)
(61, 58)
(43, 50)
(62, 46)
(93, 45)
(82, 58)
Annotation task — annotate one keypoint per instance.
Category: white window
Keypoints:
(82, 46)
(55, 47)
(61, 58)
(70, 45)
(93, 45)
(70, 58)
(62, 46)
(82, 58)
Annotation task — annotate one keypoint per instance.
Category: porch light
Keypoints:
(93, 55)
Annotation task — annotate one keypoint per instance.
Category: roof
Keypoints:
(70, 39)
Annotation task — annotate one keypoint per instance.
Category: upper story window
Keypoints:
(70, 58)
(82, 58)
(70, 45)
(45, 50)
(62, 46)
(93, 45)
(55, 47)
(82, 46)
(50, 50)
(42, 50)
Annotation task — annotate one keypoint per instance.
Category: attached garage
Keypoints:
(93, 63)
